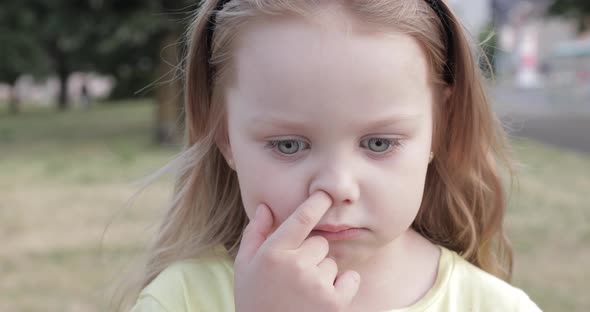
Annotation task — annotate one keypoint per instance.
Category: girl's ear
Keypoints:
(222, 142)
(446, 93)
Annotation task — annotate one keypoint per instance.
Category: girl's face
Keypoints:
(314, 108)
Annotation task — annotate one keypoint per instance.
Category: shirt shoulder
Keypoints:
(473, 289)
(192, 285)
(147, 303)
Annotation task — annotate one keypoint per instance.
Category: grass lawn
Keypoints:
(65, 179)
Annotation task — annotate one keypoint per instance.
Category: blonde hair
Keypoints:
(463, 203)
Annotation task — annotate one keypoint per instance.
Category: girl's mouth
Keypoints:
(338, 232)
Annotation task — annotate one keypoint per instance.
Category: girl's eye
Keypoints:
(287, 147)
(379, 145)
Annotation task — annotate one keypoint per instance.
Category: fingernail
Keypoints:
(257, 211)
(356, 277)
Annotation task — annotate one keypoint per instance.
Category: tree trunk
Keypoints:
(168, 92)
(63, 73)
(62, 103)
(585, 24)
(14, 100)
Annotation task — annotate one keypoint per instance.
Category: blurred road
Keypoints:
(560, 118)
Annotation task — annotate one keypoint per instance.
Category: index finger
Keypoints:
(292, 233)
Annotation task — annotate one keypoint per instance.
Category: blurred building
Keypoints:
(474, 14)
(44, 92)
(533, 50)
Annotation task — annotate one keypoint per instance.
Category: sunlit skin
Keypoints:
(313, 107)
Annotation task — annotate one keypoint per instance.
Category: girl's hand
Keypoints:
(285, 270)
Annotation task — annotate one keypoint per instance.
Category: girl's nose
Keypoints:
(336, 178)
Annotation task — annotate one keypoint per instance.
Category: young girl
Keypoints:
(342, 156)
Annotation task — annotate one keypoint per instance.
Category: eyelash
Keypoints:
(393, 144)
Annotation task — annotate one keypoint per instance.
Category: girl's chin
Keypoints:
(347, 256)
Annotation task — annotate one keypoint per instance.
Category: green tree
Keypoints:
(60, 36)
(142, 49)
(67, 31)
(136, 41)
(20, 52)
(169, 94)
(43, 36)
(578, 9)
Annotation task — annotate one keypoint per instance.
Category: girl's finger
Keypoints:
(314, 250)
(296, 228)
(255, 234)
(347, 285)
(328, 270)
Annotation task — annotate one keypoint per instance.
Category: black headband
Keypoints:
(438, 6)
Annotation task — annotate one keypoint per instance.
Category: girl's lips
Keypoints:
(333, 227)
(347, 233)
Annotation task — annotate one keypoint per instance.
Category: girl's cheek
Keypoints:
(282, 205)
(281, 210)
(280, 198)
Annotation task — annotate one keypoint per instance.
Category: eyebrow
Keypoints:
(372, 124)
(278, 123)
(392, 120)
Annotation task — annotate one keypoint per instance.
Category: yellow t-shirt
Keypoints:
(206, 285)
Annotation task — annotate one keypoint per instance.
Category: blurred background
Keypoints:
(90, 105)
